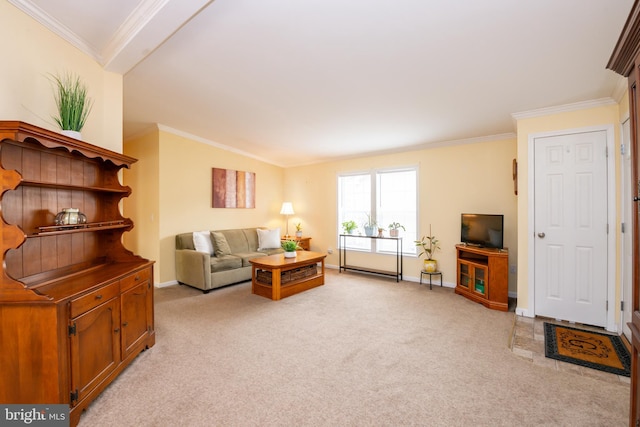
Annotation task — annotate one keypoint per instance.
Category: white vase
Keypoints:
(290, 254)
(72, 134)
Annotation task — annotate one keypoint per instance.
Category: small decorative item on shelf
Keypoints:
(299, 229)
(70, 216)
(394, 229)
(290, 247)
(349, 226)
(380, 232)
(429, 245)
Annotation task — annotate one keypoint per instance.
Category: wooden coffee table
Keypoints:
(278, 277)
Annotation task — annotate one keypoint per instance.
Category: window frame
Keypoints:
(371, 245)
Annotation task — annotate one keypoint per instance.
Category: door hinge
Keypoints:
(606, 305)
(622, 149)
(72, 329)
(607, 228)
(621, 305)
(73, 396)
(606, 152)
(622, 230)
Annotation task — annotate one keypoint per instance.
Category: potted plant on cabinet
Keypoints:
(299, 229)
(369, 226)
(429, 245)
(290, 247)
(73, 103)
(349, 226)
(394, 229)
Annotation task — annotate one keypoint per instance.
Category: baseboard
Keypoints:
(165, 284)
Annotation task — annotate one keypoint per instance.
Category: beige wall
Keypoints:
(605, 115)
(172, 190)
(473, 178)
(30, 53)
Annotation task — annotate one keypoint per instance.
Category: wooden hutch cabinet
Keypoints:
(625, 60)
(483, 276)
(76, 307)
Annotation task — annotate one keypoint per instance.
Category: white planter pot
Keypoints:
(72, 134)
(290, 254)
(298, 233)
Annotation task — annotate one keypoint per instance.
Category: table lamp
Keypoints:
(287, 209)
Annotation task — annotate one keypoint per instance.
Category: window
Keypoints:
(389, 195)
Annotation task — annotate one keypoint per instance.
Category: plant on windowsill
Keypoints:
(369, 226)
(290, 247)
(394, 229)
(349, 226)
(429, 245)
(73, 103)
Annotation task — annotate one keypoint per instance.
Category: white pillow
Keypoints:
(268, 239)
(202, 242)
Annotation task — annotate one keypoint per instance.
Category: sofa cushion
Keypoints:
(236, 239)
(202, 242)
(225, 262)
(268, 239)
(222, 246)
(246, 256)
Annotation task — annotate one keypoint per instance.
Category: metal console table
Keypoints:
(343, 256)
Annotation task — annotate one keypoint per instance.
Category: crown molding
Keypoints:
(196, 138)
(131, 27)
(57, 27)
(576, 106)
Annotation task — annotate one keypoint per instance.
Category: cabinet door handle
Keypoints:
(137, 278)
(116, 330)
(98, 296)
(125, 324)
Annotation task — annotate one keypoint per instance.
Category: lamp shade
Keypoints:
(287, 209)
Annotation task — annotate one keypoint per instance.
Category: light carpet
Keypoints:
(359, 351)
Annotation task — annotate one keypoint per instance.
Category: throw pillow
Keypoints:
(202, 242)
(222, 246)
(268, 239)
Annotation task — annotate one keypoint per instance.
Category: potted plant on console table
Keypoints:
(429, 245)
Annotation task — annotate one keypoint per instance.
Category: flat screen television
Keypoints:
(482, 230)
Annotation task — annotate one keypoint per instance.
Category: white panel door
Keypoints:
(571, 227)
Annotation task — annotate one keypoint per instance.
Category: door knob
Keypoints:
(541, 235)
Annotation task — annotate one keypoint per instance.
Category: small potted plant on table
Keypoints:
(369, 226)
(394, 229)
(290, 247)
(349, 226)
(299, 229)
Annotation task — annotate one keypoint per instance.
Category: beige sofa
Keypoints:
(227, 261)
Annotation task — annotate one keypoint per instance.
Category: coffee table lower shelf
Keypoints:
(273, 277)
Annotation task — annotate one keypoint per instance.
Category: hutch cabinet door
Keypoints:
(95, 347)
(137, 315)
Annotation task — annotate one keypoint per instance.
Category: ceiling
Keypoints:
(296, 82)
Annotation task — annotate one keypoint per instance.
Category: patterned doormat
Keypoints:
(586, 348)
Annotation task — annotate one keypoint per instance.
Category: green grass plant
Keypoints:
(72, 101)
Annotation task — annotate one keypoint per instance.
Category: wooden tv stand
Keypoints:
(483, 276)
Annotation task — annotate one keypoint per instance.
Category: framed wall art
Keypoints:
(233, 189)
